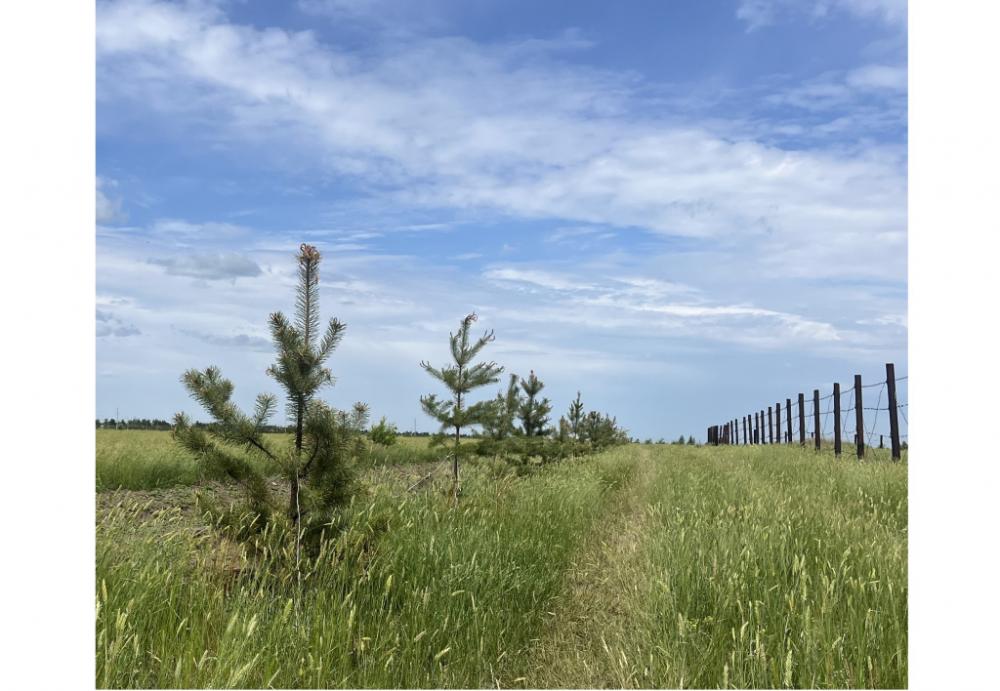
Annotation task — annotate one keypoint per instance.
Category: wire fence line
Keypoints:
(765, 426)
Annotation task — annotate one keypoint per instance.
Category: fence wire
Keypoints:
(873, 418)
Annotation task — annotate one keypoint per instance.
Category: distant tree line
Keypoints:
(156, 424)
(165, 426)
(134, 423)
(676, 442)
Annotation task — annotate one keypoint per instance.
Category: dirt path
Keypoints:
(579, 646)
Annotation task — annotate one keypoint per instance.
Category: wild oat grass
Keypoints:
(658, 566)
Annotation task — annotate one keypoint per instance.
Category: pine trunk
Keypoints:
(454, 463)
(458, 429)
(293, 494)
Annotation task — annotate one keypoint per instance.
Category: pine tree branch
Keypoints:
(334, 334)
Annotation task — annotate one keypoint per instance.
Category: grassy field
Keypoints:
(645, 566)
(140, 460)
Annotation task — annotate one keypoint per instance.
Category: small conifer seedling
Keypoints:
(460, 378)
(500, 424)
(534, 410)
(318, 463)
(575, 416)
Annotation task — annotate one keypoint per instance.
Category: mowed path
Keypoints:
(579, 646)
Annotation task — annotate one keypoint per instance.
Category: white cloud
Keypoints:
(898, 320)
(580, 236)
(534, 277)
(108, 207)
(780, 323)
(445, 122)
(110, 325)
(200, 231)
(209, 267)
(507, 127)
(654, 287)
(761, 13)
(238, 340)
(588, 323)
(756, 13)
(846, 92)
(892, 12)
(613, 302)
(876, 77)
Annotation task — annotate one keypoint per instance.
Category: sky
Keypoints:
(684, 210)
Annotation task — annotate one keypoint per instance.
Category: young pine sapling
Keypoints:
(326, 440)
(460, 379)
(534, 411)
(575, 416)
(499, 425)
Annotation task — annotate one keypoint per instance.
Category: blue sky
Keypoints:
(684, 210)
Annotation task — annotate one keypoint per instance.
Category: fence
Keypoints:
(760, 428)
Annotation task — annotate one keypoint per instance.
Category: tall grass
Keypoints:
(406, 450)
(762, 567)
(147, 460)
(142, 460)
(416, 593)
(777, 568)
(736, 567)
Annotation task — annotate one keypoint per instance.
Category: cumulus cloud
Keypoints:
(210, 267)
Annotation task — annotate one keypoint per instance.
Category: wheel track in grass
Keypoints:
(578, 646)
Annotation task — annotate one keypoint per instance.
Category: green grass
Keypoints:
(449, 597)
(146, 460)
(649, 566)
(764, 567)
(406, 450)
